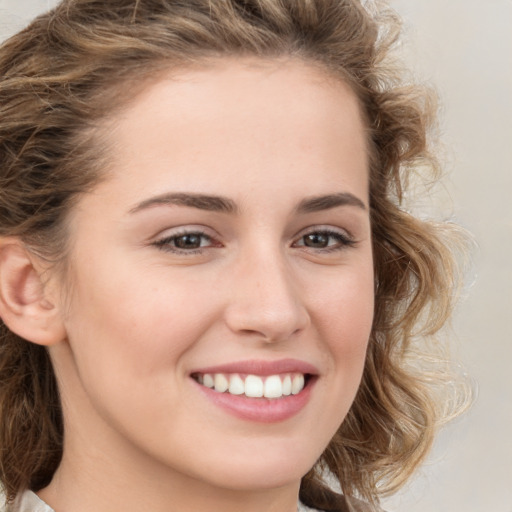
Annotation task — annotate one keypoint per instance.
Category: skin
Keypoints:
(139, 317)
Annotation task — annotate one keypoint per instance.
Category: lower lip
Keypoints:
(262, 410)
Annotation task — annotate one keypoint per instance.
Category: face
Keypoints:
(227, 255)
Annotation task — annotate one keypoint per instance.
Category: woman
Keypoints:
(208, 287)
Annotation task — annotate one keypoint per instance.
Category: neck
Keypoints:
(76, 498)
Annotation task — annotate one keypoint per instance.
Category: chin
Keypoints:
(262, 473)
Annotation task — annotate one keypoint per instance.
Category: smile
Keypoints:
(253, 386)
(257, 390)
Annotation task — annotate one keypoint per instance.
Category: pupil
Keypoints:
(188, 241)
(317, 240)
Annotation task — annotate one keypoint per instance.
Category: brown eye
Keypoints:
(325, 241)
(188, 241)
(317, 240)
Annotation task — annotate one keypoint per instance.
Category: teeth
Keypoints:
(273, 387)
(253, 386)
(287, 386)
(297, 384)
(236, 385)
(208, 381)
(221, 383)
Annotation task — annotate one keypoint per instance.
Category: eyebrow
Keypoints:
(319, 203)
(200, 201)
(226, 205)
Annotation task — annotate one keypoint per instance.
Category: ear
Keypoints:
(25, 308)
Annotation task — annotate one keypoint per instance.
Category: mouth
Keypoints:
(272, 387)
(258, 391)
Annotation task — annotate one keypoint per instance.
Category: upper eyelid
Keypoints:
(164, 243)
(344, 241)
(213, 235)
(185, 230)
(325, 228)
(184, 233)
(163, 240)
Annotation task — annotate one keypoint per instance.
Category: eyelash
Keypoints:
(168, 243)
(343, 240)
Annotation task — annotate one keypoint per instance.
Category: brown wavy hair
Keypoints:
(72, 67)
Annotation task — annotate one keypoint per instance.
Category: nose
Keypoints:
(265, 300)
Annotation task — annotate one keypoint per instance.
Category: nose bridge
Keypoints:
(266, 299)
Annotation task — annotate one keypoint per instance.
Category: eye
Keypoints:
(186, 242)
(325, 240)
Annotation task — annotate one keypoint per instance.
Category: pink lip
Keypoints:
(262, 367)
(262, 410)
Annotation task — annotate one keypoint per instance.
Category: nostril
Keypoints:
(265, 322)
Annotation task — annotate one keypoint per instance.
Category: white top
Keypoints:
(27, 502)
(30, 502)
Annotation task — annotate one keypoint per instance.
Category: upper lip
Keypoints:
(262, 367)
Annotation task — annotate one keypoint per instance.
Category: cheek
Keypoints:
(346, 310)
(127, 343)
(138, 326)
(344, 318)
(132, 325)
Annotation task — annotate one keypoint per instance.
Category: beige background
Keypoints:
(465, 48)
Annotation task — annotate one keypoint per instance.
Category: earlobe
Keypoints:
(24, 306)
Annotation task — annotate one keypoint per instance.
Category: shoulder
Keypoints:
(345, 505)
(25, 502)
(30, 502)
(355, 505)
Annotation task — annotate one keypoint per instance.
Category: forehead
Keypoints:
(278, 120)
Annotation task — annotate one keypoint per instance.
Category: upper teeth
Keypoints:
(254, 386)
